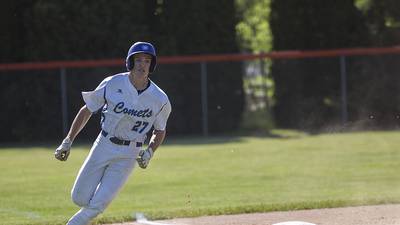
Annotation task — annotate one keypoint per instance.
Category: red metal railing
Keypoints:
(203, 58)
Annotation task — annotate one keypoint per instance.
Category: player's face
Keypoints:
(142, 64)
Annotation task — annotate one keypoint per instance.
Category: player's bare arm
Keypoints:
(62, 152)
(156, 139)
(79, 122)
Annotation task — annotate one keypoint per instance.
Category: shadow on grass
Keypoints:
(228, 137)
(42, 145)
(232, 137)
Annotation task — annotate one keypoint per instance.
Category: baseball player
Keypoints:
(131, 104)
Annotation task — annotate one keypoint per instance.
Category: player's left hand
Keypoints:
(144, 157)
(62, 152)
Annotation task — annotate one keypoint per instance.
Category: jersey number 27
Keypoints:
(140, 126)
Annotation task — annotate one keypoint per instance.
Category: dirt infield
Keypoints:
(362, 215)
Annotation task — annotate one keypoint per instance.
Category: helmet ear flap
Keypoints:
(129, 63)
(153, 64)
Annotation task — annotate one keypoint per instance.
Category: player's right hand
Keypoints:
(62, 152)
(144, 157)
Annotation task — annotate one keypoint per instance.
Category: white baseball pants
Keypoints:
(104, 172)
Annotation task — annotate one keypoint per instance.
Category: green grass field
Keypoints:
(220, 175)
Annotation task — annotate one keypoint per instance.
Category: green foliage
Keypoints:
(303, 86)
(383, 17)
(307, 92)
(83, 30)
(257, 122)
(253, 29)
(207, 27)
(255, 36)
(257, 118)
(314, 24)
(363, 5)
(219, 175)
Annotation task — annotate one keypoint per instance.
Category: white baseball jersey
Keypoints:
(126, 114)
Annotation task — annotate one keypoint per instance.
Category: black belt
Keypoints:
(118, 141)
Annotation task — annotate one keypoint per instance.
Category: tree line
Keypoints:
(44, 30)
(308, 92)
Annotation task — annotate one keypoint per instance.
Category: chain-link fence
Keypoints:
(218, 93)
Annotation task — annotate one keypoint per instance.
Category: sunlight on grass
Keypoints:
(220, 175)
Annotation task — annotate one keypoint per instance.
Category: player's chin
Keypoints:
(141, 72)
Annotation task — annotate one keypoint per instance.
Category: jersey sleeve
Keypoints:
(96, 99)
(161, 120)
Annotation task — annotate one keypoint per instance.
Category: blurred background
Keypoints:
(264, 77)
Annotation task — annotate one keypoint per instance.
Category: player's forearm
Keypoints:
(156, 139)
(79, 122)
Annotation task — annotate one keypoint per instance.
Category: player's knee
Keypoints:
(79, 199)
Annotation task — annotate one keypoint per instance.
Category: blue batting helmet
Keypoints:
(141, 47)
